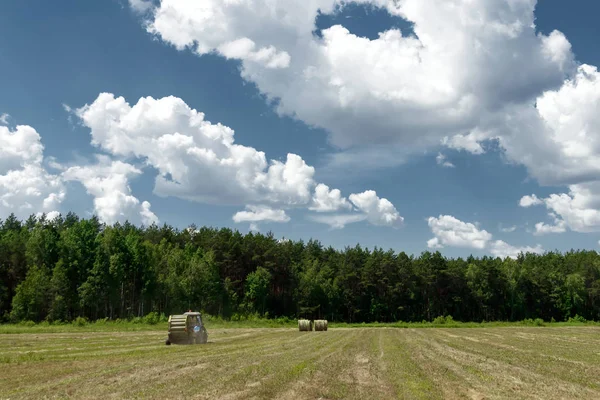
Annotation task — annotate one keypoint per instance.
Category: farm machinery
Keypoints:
(186, 328)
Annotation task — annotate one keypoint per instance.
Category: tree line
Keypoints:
(70, 267)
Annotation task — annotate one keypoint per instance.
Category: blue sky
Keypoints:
(59, 56)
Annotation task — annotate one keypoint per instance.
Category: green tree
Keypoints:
(59, 293)
(257, 289)
(32, 297)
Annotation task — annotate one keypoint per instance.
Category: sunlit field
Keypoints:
(342, 363)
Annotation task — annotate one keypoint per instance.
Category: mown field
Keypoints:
(348, 363)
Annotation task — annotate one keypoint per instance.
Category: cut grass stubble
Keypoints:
(349, 363)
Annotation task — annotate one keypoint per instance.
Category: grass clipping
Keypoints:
(305, 325)
(321, 325)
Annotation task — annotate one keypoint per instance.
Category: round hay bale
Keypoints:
(304, 325)
(321, 325)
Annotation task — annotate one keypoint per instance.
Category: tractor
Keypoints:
(187, 328)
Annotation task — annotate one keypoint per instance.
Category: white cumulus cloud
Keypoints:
(528, 201)
(326, 200)
(207, 26)
(558, 139)
(450, 231)
(108, 182)
(473, 70)
(260, 214)
(466, 61)
(26, 187)
(542, 228)
(200, 161)
(578, 210)
(196, 160)
(502, 249)
(49, 217)
(378, 211)
(440, 159)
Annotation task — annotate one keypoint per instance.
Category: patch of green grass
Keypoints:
(478, 373)
(405, 371)
(153, 323)
(299, 368)
(458, 324)
(339, 391)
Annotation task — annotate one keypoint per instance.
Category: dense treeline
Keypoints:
(70, 267)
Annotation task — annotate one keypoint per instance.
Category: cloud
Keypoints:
(337, 221)
(470, 143)
(473, 71)
(378, 211)
(4, 119)
(528, 201)
(509, 229)
(450, 231)
(147, 216)
(260, 214)
(466, 61)
(244, 49)
(200, 161)
(326, 200)
(558, 139)
(441, 160)
(141, 6)
(196, 160)
(559, 226)
(578, 210)
(51, 216)
(108, 182)
(26, 187)
(542, 228)
(205, 27)
(366, 159)
(502, 249)
(20, 148)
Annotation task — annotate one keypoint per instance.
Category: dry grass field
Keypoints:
(352, 363)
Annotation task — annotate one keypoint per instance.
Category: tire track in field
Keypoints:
(496, 374)
(225, 361)
(409, 375)
(296, 364)
(576, 364)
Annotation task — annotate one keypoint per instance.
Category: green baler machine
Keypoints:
(187, 328)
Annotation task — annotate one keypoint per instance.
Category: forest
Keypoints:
(71, 267)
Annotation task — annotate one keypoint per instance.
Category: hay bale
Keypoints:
(305, 325)
(321, 325)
